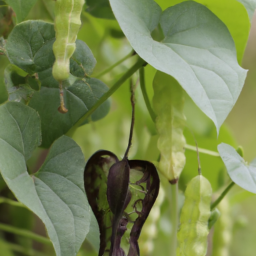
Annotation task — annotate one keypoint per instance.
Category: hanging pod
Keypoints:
(121, 195)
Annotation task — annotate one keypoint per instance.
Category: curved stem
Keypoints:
(202, 150)
(26, 233)
(103, 98)
(173, 198)
(20, 249)
(11, 202)
(132, 122)
(214, 204)
(145, 95)
(114, 65)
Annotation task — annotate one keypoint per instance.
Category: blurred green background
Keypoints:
(109, 45)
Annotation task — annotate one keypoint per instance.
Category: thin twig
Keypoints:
(26, 233)
(202, 150)
(25, 251)
(105, 96)
(197, 152)
(11, 202)
(145, 95)
(214, 204)
(114, 65)
(132, 122)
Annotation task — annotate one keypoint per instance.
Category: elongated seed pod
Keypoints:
(168, 105)
(222, 230)
(67, 24)
(195, 213)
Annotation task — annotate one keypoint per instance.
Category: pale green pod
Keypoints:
(168, 104)
(67, 24)
(222, 230)
(195, 213)
(150, 230)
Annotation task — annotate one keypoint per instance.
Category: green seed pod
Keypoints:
(222, 230)
(195, 213)
(67, 24)
(149, 232)
(168, 105)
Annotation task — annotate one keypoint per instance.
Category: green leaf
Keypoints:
(34, 55)
(99, 9)
(240, 172)
(34, 52)
(250, 6)
(227, 11)
(56, 192)
(79, 98)
(82, 62)
(29, 46)
(197, 51)
(21, 8)
(18, 84)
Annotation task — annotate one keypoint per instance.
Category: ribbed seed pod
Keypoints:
(222, 230)
(195, 213)
(168, 105)
(67, 24)
(149, 232)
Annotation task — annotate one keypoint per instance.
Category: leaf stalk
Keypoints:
(223, 194)
(109, 93)
(25, 233)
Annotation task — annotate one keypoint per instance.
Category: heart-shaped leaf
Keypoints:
(34, 54)
(227, 11)
(79, 98)
(197, 51)
(55, 193)
(29, 47)
(240, 172)
(19, 85)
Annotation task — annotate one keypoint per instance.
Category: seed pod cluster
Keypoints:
(222, 230)
(195, 213)
(168, 105)
(121, 195)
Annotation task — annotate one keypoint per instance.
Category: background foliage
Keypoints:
(108, 45)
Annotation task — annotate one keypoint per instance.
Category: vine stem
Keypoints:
(202, 150)
(26, 233)
(104, 97)
(223, 194)
(114, 65)
(153, 116)
(133, 118)
(11, 202)
(20, 249)
(145, 95)
(173, 198)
